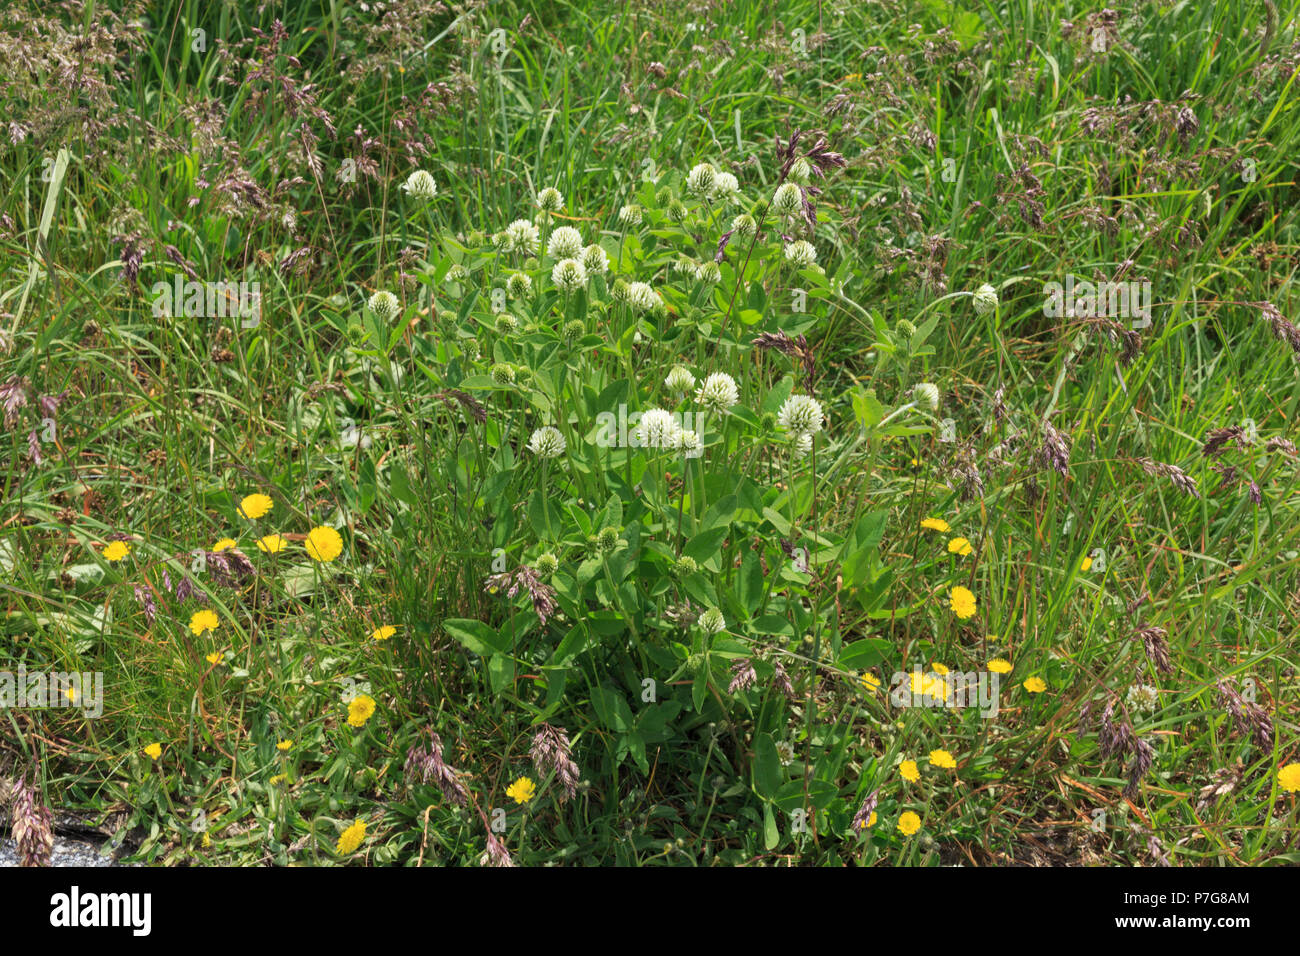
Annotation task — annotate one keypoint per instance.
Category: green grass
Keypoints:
(989, 144)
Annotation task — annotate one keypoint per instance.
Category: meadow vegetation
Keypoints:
(718, 433)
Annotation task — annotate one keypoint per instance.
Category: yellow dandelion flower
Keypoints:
(153, 751)
(271, 544)
(871, 822)
(1085, 564)
(279, 778)
(207, 840)
(116, 551)
(909, 823)
(204, 620)
(383, 633)
(962, 602)
(360, 709)
(284, 745)
(870, 681)
(1000, 666)
(1035, 685)
(909, 771)
(936, 524)
(938, 668)
(255, 506)
(959, 546)
(1289, 778)
(323, 544)
(214, 657)
(351, 838)
(924, 685)
(225, 544)
(941, 758)
(522, 790)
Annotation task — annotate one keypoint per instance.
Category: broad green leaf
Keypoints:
(611, 709)
(476, 636)
(767, 766)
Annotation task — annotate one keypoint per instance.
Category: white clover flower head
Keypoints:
(685, 265)
(718, 393)
(726, 188)
(569, 275)
(788, 200)
(785, 752)
(607, 540)
(1142, 698)
(547, 564)
(927, 394)
(630, 215)
(547, 442)
(565, 243)
(573, 330)
(688, 441)
(657, 428)
(709, 273)
(712, 621)
(680, 380)
(641, 297)
(621, 292)
(503, 374)
(519, 285)
(595, 260)
(744, 225)
(985, 299)
(420, 185)
(522, 236)
(700, 180)
(385, 306)
(800, 414)
(802, 445)
(550, 199)
(800, 171)
(801, 253)
(457, 273)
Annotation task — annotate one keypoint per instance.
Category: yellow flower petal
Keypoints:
(204, 620)
(351, 838)
(271, 544)
(522, 790)
(1288, 778)
(254, 506)
(116, 551)
(323, 544)
(962, 602)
